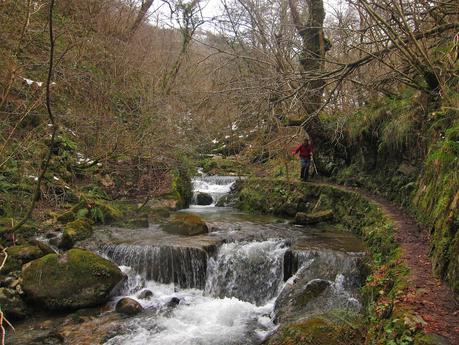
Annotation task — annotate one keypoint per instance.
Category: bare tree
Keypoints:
(144, 7)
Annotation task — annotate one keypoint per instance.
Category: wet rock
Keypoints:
(145, 294)
(204, 199)
(128, 306)
(12, 304)
(290, 264)
(73, 280)
(75, 231)
(314, 217)
(186, 224)
(313, 289)
(174, 301)
(19, 255)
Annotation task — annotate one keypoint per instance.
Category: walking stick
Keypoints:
(314, 165)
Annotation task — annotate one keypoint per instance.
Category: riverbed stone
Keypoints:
(313, 217)
(145, 294)
(12, 304)
(173, 302)
(75, 231)
(204, 199)
(128, 306)
(73, 280)
(186, 224)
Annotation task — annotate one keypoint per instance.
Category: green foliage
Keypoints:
(182, 188)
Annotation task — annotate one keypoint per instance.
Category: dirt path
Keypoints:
(427, 294)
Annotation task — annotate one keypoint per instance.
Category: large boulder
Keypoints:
(128, 306)
(12, 304)
(73, 280)
(204, 199)
(314, 217)
(19, 255)
(186, 224)
(75, 231)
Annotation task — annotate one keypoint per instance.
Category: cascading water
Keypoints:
(184, 266)
(215, 186)
(251, 271)
(228, 295)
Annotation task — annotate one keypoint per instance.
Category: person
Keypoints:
(305, 150)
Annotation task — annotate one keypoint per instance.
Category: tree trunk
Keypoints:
(311, 59)
(141, 15)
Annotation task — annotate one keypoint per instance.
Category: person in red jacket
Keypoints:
(305, 150)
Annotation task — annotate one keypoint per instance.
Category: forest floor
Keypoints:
(427, 295)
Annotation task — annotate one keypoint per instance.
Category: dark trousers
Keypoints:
(305, 162)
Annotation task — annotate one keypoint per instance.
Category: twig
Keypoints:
(5, 253)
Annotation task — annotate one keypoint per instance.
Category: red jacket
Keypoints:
(305, 151)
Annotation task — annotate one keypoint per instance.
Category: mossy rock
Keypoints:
(75, 231)
(73, 280)
(316, 331)
(19, 255)
(128, 306)
(312, 289)
(204, 199)
(314, 217)
(186, 224)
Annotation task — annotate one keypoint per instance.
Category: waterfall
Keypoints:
(249, 271)
(215, 186)
(183, 266)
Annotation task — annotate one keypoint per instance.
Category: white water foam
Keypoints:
(198, 319)
(251, 271)
(216, 186)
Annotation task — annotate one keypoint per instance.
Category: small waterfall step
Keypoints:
(215, 186)
(184, 266)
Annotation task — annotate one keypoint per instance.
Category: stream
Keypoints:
(232, 286)
(221, 288)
